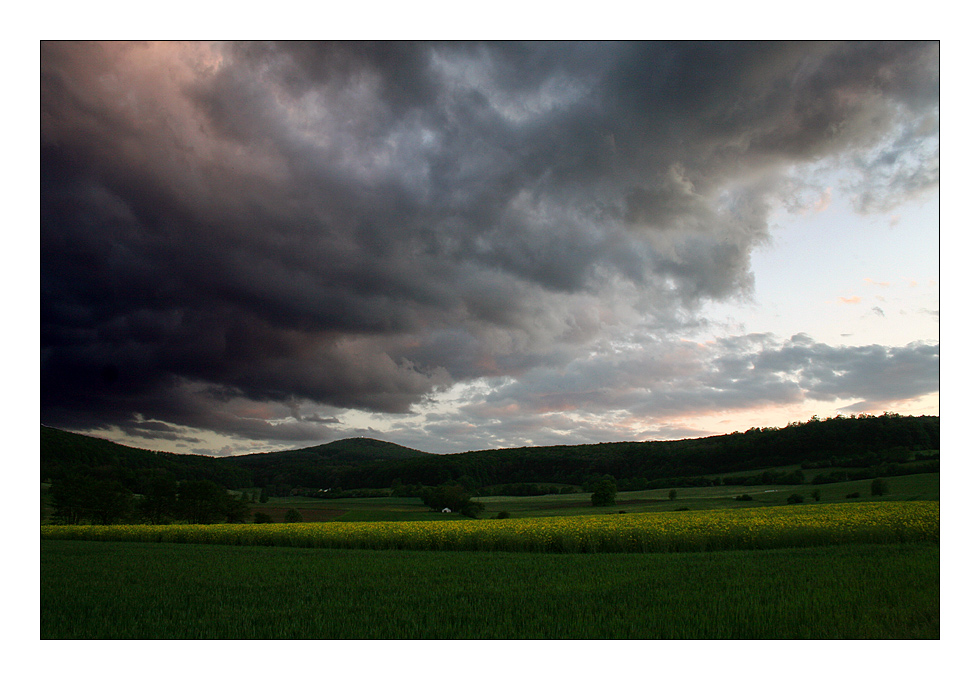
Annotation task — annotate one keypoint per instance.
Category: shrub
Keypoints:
(794, 498)
(472, 509)
(830, 478)
(743, 497)
(503, 514)
(292, 515)
(262, 518)
(454, 497)
(816, 494)
(605, 493)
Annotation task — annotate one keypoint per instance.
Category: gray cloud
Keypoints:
(364, 225)
(665, 378)
(644, 390)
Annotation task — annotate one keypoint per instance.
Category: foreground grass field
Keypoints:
(92, 589)
(827, 570)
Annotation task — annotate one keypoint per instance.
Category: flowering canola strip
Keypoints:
(750, 528)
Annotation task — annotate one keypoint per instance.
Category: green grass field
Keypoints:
(909, 487)
(762, 528)
(160, 591)
(351, 509)
(478, 590)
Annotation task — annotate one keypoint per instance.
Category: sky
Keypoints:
(459, 246)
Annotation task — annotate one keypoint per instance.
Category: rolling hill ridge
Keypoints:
(887, 444)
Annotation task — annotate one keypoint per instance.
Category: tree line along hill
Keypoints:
(833, 449)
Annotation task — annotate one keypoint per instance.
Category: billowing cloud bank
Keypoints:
(252, 238)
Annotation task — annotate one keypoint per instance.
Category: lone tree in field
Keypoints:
(605, 493)
(292, 515)
(879, 487)
(451, 496)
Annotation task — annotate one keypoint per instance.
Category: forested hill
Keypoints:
(860, 442)
(66, 453)
(354, 450)
(865, 442)
(320, 466)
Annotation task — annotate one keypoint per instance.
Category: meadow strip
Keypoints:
(104, 590)
(751, 528)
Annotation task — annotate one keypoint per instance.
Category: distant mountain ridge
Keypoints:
(368, 446)
(878, 445)
(65, 452)
(350, 449)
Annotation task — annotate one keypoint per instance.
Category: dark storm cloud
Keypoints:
(361, 225)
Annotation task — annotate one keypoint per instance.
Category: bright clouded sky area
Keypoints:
(251, 246)
(841, 277)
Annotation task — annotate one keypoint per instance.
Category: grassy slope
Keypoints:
(910, 487)
(141, 591)
(351, 509)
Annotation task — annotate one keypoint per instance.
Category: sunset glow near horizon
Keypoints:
(258, 246)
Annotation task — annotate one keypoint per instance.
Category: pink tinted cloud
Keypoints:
(824, 201)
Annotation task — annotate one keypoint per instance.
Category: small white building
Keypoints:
(446, 510)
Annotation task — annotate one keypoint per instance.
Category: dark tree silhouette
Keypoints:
(605, 493)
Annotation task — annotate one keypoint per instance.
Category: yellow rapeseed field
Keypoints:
(751, 528)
